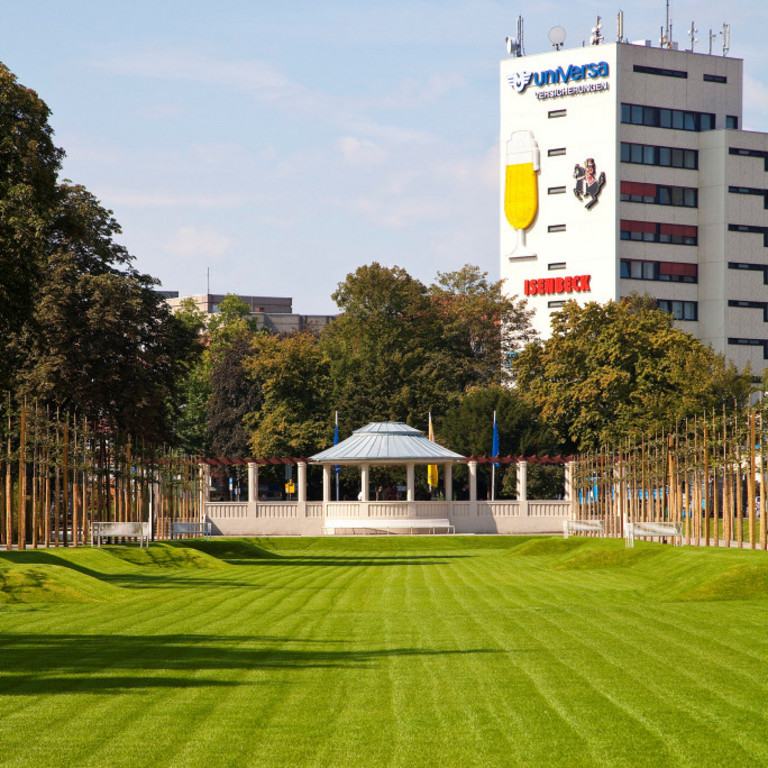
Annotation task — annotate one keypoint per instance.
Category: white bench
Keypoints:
(138, 531)
(653, 530)
(192, 529)
(331, 525)
(583, 526)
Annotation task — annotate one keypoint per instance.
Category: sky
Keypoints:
(282, 145)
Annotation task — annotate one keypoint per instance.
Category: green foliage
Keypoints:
(619, 368)
(292, 373)
(401, 350)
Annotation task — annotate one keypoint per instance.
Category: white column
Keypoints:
(326, 483)
(301, 480)
(522, 481)
(205, 472)
(568, 480)
(472, 467)
(253, 481)
(410, 482)
(448, 469)
(364, 481)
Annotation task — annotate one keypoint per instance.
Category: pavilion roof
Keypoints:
(386, 442)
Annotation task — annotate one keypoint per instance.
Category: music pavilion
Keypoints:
(624, 169)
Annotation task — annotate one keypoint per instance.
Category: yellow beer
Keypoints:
(521, 191)
(521, 195)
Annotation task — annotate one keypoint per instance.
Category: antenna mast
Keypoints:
(726, 33)
(692, 34)
(620, 25)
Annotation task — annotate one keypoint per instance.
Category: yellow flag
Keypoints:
(431, 468)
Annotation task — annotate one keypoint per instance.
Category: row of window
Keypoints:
(658, 117)
(659, 194)
(665, 271)
(751, 305)
(655, 232)
(667, 157)
(679, 73)
(680, 310)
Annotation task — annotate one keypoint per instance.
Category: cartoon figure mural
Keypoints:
(521, 192)
(588, 184)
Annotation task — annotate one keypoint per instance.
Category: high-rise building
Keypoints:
(624, 169)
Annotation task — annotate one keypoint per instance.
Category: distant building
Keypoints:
(271, 312)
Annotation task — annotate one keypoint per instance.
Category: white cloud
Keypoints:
(193, 242)
(361, 152)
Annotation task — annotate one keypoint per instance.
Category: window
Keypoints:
(680, 310)
(750, 153)
(750, 267)
(658, 194)
(557, 152)
(668, 157)
(752, 229)
(715, 78)
(555, 304)
(556, 228)
(556, 265)
(762, 305)
(655, 232)
(732, 122)
(677, 119)
(664, 271)
(751, 191)
(659, 71)
(556, 113)
(556, 191)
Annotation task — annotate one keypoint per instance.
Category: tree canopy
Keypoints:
(622, 367)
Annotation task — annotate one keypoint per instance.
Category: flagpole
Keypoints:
(336, 440)
(495, 452)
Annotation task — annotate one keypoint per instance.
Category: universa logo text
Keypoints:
(521, 80)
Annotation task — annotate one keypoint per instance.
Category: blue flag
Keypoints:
(495, 448)
(337, 468)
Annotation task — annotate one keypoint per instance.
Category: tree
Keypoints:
(101, 340)
(468, 426)
(293, 375)
(619, 368)
(28, 197)
(481, 326)
(385, 361)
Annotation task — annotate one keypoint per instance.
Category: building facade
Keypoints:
(624, 169)
(272, 313)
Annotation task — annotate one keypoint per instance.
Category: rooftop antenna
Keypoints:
(665, 37)
(692, 34)
(515, 44)
(597, 36)
(712, 38)
(208, 281)
(726, 33)
(557, 37)
(620, 26)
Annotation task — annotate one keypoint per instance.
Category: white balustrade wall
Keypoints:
(306, 518)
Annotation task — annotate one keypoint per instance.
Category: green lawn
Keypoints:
(398, 651)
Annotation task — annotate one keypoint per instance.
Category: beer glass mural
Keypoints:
(521, 194)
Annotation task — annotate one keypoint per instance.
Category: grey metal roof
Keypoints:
(386, 442)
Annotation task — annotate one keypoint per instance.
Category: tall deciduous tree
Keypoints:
(28, 198)
(293, 374)
(622, 367)
(481, 327)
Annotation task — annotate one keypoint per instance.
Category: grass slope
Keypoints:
(397, 651)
